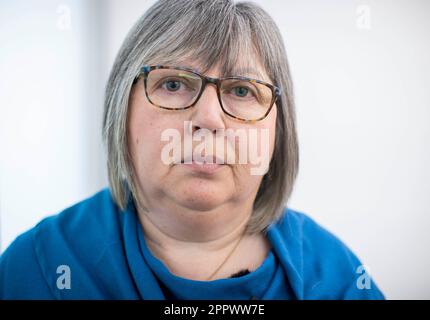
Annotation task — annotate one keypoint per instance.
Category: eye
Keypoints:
(241, 91)
(172, 85)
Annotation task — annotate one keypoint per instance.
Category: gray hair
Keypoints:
(210, 32)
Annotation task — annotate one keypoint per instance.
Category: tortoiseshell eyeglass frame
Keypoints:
(145, 70)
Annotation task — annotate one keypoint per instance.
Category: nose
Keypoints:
(207, 112)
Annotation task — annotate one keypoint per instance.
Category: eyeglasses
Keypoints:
(179, 88)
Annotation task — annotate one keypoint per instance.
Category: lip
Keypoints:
(204, 167)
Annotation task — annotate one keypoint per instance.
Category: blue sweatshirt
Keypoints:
(93, 250)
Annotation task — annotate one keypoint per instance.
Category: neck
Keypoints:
(192, 233)
(172, 221)
(198, 245)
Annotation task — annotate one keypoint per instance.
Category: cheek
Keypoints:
(272, 120)
(260, 150)
(144, 138)
(266, 136)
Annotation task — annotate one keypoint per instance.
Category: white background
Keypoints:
(361, 71)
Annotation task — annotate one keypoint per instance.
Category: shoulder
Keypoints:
(95, 219)
(324, 267)
(20, 274)
(77, 236)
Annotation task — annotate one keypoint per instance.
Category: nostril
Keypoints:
(214, 131)
(195, 129)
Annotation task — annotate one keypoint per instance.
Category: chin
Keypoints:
(201, 196)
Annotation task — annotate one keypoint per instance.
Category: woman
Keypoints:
(202, 152)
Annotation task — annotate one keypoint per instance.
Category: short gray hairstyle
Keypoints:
(210, 32)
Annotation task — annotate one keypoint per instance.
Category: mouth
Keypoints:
(205, 166)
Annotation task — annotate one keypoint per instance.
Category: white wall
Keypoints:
(50, 109)
(361, 71)
(363, 105)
